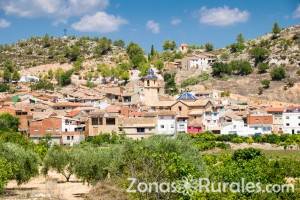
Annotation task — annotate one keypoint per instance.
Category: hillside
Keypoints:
(37, 55)
(283, 50)
(48, 50)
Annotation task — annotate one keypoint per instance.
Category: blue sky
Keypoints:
(146, 22)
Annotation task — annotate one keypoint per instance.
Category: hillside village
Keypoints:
(74, 100)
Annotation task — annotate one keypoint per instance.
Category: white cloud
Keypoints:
(100, 22)
(297, 12)
(153, 26)
(176, 21)
(4, 23)
(222, 16)
(52, 8)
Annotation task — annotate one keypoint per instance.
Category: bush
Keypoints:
(9, 122)
(278, 73)
(265, 83)
(4, 87)
(259, 54)
(262, 68)
(246, 154)
(42, 85)
(194, 80)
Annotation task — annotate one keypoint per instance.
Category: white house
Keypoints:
(181, 124)
(166, 123)
(72, 131)
(201, 62)
(233, 124)
(211, 120)
(291, 120)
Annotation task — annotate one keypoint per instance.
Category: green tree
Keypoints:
(5, 173)
(239, 46)
(170, 84)
(119, 43)
(46, 41)
(259, 54)
(61, 160)
(64, 78)
(103, 46)
(169, 45)
(73, 53)
(240, 38)
(278, 73)
(24, 162)
(15, 76)
(276, 28)
(6, 75)
(9, 122)
(42, 84)
(220, 68)
(159, 65)
(136, 54)
(165, 159)
(208, 47)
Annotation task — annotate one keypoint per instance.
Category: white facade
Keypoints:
(71, 139)
(211, 120)
(261, 128)
(71, 125)
(238, 127)
(291, 121)
(166, 125)
(181, 125)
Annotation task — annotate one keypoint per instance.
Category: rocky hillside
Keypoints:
(46, 50)
(283, 49)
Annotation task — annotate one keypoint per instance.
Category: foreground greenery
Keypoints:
(114, 158)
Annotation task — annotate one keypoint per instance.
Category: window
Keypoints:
(68, 137)
(148, 83)
(72, 137)
(179, 108)
(162, 126)
(287, 117)
(140, 130)
(287, 124)
(110, 121)
(95, 121)
(172, 126)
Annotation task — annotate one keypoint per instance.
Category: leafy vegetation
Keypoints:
(194, 80)
(170, 84)
(278, 73)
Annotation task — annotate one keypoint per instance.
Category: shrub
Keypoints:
(246, 154)
(265, 83)
(4, 87)
(262, 68)
(8, 122)
(278, 73)
(42, 84)
(259, 54)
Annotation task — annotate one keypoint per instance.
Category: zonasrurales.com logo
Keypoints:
(187, 186)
